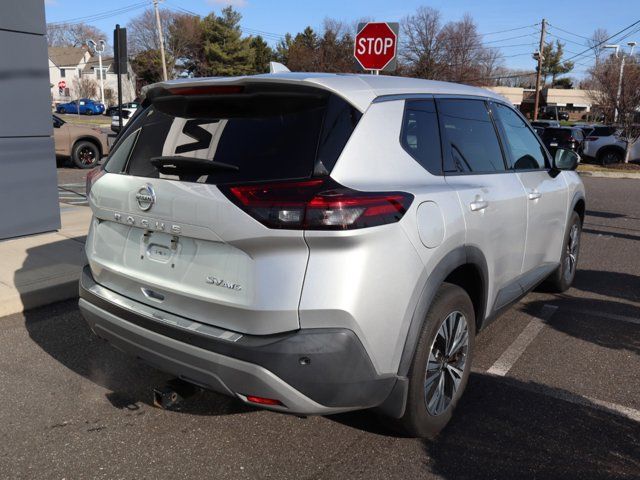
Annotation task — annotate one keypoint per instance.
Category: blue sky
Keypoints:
(280, 16)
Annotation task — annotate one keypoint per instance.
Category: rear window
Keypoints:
(556, 133)
(263, 137)
(601, 132)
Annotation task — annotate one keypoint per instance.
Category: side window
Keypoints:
(525, 151)
(420, 134)
(469, 137)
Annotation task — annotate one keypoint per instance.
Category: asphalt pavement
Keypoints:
(554, 393)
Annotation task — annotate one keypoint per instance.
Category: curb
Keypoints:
(610, 174)
(57, 291)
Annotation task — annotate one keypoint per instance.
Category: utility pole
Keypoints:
(539, 73)
(94, 46)
(160, 40)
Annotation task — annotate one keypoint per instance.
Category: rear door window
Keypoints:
(470, 142)
(276, 140)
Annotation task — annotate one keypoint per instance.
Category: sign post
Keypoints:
(376, 46)
(61, 86)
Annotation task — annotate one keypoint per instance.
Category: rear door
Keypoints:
(173, 240)
(492, 197)
(546, 194)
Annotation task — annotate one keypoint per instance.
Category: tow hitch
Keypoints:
(170, 395)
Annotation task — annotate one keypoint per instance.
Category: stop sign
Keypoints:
(62, 84)
(375, 45)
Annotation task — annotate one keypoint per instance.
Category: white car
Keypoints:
(127, 113)
(606, 145)
(316, 243)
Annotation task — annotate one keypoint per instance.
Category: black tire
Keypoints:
(561, 280)
(89, 111)
(62, 110)
(610, 156)
(418, 420)
(85, 154)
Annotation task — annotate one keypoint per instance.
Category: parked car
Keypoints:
(585, 127)
(84, 106)
(313, 244)
(551, 114)
(545, 123)
(113, 110)
(85, 146)
(538, 130)
(605, 145)
(127, 113)
(563, 137)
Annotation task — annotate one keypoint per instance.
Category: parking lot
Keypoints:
(555, 392)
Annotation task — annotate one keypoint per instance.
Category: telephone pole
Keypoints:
(539, 73)
(160, 40)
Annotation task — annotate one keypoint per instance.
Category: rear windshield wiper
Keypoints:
(177, 165)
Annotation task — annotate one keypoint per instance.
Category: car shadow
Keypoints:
(611, 284)
(507, 429)
(607, 233)
(596, 213)
(60, 331)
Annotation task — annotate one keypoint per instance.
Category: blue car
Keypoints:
(84, 106)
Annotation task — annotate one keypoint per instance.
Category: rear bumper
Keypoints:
(311, 371)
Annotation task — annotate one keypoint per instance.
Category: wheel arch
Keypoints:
(464, 266)
(602, 150)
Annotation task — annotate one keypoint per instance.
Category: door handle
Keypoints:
(534, 195)
(478, 205)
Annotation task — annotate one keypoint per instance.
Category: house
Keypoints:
(67, 65)
(577, 102)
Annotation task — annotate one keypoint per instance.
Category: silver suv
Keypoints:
(314, 243)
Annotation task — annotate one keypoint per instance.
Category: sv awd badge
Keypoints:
(218, 282)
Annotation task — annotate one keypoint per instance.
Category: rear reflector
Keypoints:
(263, 401)
(317, 204)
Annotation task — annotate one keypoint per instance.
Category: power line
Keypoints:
(570, 33)
(509, 30)
(605, 40)
(566, 39)
(100, 15)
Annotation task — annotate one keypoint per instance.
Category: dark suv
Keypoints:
(563, 137)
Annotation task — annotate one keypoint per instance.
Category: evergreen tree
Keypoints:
(225, 52)
(263, 54)
(552, 63)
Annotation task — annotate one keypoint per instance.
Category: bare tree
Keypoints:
(490, 62)
(85, 87)
(421, 49)
(596, 42)
(463, 51)
(72, 35)
(142, 32)
(604, 79)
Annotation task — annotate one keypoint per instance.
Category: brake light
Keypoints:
(207, 90)
(317, 204)
(92, 177)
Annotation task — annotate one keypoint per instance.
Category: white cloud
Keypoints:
(233, 3)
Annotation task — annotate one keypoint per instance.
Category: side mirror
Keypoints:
(565, 159)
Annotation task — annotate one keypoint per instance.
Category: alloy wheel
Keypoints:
(447, 360)
(571, 257)
(86, 155)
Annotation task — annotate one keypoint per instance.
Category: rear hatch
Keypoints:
(166, 235)
(558, 137)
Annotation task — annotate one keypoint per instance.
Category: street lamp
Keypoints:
(94, 47)
(632, 45)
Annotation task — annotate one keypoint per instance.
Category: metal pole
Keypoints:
(101, 71)
(117, 49)
(539, 73)
(160, 40)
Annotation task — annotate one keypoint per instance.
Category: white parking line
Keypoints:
(511, 355)
(609, 407)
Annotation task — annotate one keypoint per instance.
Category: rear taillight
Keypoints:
(317, 204)
(92, 177)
